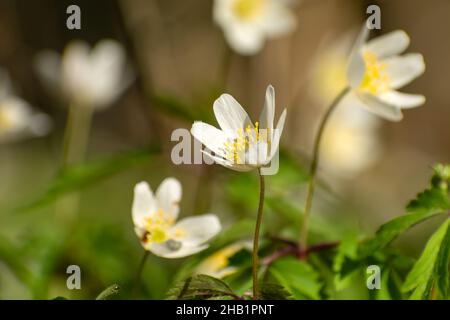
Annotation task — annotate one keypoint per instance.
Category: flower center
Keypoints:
(5, 120)
(157, 227)
(235, 148)
(375, 80)
(248, 9)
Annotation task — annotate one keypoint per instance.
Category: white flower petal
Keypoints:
(268, 112)
(107, 62)
(403, 69)
(198, 229)
(279, 19)
(245, 39)
(228, 164)
(381, 108)
(402, 100)
(389, 44)
(211, 137)
(75, 71)
(356, 66)
(144, 204)
(276, 136)
(169, 196)
(163, 250)
(230, 115)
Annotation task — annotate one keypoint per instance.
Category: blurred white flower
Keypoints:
(240, 145)
(93, 77)
(217, 264)
(17, 118)
(154, 218)
(248, 23)
(351, 141)
(376, 70)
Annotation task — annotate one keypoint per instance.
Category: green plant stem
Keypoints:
(76, 135)
(255, 258)
(75, 142)
(139, 272)
(303, 241)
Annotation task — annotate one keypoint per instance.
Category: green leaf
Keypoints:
(201, 287)
(434, 198)
(106, 294)
(431, 267)
(60, 298)
(392, 229)
(432, 201)
(11, 257)
(298, 277)
(81, 176)
(345, 262)
(273, 291)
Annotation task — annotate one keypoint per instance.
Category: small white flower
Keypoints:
(154, 218)
(240, 145)
(92, 77)
(351, 141)
(376, 70)
(17, 118)
(247, 23)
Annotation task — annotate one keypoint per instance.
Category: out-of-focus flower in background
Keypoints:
(248, 23)
(240, 145)
(154, 218)
(217, 264)
(17, 118)
(376, 70)
(351, 141)
(86, 76)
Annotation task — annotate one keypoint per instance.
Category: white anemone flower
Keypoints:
(240, 145)
(376, 70)
(17, 118)
(86, 76)
(154, 218)
(351, 141)
(248, 23)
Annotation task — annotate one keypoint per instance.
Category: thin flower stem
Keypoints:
(139, 272)
(75, 141)
(303, 241)
(255, 259)
(76, 135)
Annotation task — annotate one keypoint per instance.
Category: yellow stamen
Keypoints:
(248, 9)
(233, 149)
(375, 80)
(157, 227)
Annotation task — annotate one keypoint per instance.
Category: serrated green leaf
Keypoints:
(273, 291)
(81, 176)
(201, 287)
(429, 268)
(298, 277)
(109, 292)
(434, 200)
(442, 267)
(392, 229)
(345, 261)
